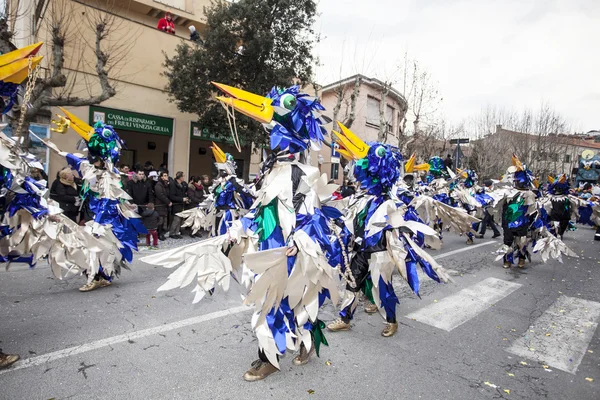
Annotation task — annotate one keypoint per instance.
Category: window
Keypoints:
(372, 111)
(389, 118)
(335, 171)
(567, 158)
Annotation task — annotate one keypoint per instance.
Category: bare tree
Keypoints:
(540, 139)
(96, 46)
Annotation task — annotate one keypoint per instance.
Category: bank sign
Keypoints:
(197, 132)
(131, 121)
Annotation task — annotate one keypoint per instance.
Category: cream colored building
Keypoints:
(367, 122)
(152, 127)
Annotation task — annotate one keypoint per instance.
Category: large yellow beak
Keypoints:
(219, 154)
(70, 120)
(550, 179)
(351, 146)
(252, 105)
(517, 163)
(14, 66)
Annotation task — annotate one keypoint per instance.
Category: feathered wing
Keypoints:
(193, 218)
(549, 246)
(203, 262)
(430, 209)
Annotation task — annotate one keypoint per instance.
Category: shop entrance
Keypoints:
(143, 147)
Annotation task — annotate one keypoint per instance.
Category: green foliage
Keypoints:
(277, 37)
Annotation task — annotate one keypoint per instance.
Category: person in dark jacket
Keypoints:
(195, 192)
(162, 203)
(178, 196)
(206, 184)
(67, 195)
(150, 219)
(140, 190)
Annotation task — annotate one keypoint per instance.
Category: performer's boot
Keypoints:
(259, 370)
(390, 329)
(304, 356)
(371, 308)
(6, 360)
(339, 325)
(349, 305)
(507, 264)
(521, 263)
(597, 235)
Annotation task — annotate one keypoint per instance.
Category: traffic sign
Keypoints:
(459, 141)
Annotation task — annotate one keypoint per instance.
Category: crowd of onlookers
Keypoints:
(158, 196)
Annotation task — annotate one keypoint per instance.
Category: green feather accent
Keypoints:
(267, 220)
(318, 336)
(367, 289)
(513, 211)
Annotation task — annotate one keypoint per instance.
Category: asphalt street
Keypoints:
(491, 334)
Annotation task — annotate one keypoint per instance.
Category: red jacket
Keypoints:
(166, 26)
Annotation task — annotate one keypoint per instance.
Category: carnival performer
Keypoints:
(383, 233)
(282, 248)
(523, 222)
(116, 224)
(229, 200)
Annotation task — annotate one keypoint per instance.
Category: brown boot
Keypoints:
(390, 329)
(469, 240)
(304, 356)
(259, 371)
(506, 265)
(371, 308)
(521, 263)
(6, 360)
(338, 325)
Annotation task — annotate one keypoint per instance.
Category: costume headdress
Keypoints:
(293, 118)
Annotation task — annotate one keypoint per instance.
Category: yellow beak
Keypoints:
(82, 129)
(409, 167)
(219, 154)
(550, 179)
(351, 146)
(14, 66)
(562, 179)
(517, 163)
(252, 105)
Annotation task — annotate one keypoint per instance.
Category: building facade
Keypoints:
(367, 115)
(153, 128)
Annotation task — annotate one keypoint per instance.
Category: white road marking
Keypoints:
(468, 248)
(561, 335)
(71, 351)
(57, 355)
(456, 309)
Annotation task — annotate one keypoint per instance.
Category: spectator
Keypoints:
(448, 163)
(151, 219)
(166, 24)
(194, 35)
(163, 203)
(153, 178)
(178, 197)
(140, 190)
(124, 175)
(148, 167)
(206, 184)
(195, 192)
(67, 195)
(163, 167)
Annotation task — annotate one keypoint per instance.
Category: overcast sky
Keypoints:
(510, 53)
